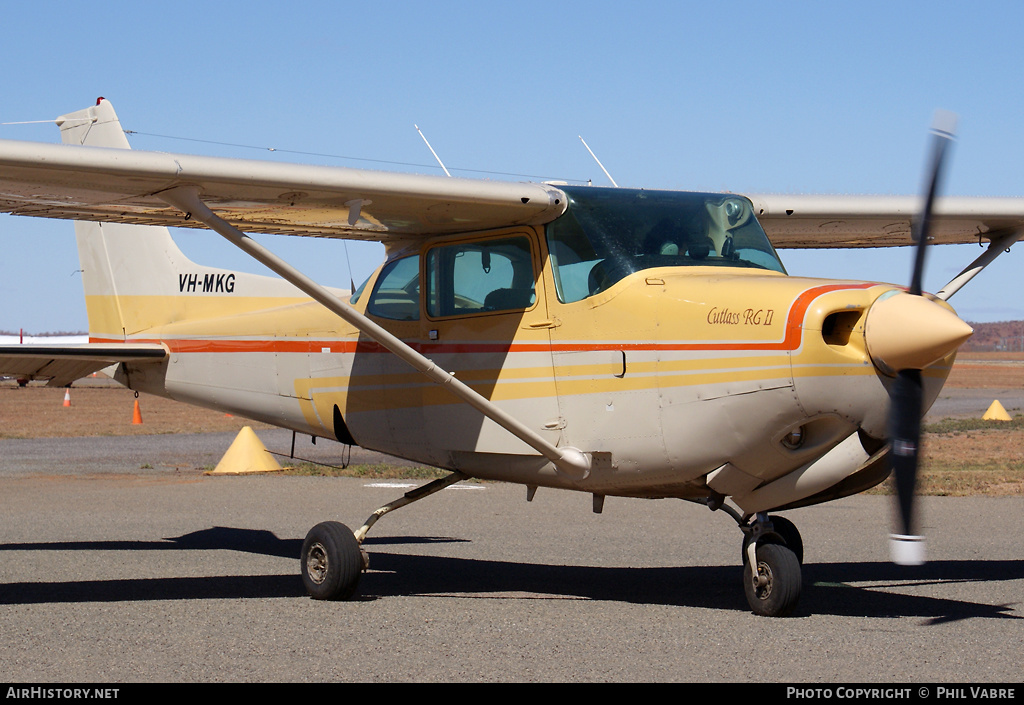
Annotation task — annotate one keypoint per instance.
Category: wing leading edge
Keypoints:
(813, 221)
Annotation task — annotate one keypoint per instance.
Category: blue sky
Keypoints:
(803, 97)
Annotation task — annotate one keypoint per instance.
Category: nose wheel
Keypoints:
(772, 582)
(773, 553)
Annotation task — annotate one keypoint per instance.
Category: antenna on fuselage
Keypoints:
(598, 161)
(432, 150)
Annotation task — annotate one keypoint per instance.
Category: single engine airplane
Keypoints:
(611, 341)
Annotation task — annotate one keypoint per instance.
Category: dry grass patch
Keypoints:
(971, 457)
(987, 371)
(39, 412)
(377, 471)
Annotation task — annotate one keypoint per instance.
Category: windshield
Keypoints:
(609, 233)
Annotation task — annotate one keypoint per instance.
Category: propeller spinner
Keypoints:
(906, 333)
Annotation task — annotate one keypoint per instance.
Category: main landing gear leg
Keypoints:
(332, 556)
(772, 555)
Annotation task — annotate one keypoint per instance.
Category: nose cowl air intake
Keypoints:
(906, 332)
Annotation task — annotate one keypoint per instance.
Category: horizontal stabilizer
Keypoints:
(63, 364)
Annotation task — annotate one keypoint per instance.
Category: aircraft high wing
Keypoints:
(618, 342)
(815, 221)
(810, 221)
(94, 183)
(99, 184)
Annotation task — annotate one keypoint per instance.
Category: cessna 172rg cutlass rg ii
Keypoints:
(606, 340)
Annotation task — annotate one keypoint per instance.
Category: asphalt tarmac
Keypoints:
(123, 562)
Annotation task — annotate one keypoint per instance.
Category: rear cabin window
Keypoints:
(397, 293)
(480, 277)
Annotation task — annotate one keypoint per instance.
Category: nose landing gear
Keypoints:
(772, 556)
(772, 582)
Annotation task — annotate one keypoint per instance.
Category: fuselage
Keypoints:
(666, 375)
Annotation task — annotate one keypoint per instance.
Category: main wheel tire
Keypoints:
(784, 580)
(332, 562)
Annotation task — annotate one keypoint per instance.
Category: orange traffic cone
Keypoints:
(137, 414)
(67, 397)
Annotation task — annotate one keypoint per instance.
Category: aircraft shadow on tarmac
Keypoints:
(841, 589)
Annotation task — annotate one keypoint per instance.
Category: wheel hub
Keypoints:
(763, 581)
(316, 563)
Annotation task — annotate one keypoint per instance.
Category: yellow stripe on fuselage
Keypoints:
(153, 313)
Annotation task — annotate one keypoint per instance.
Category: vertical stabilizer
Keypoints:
(97, 126)
(117, 260)
(135, 277)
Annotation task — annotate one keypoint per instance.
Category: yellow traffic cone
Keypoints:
(996, 412)
(246, 454)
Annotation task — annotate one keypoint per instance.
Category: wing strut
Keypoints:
(996, 247)
(571, 461)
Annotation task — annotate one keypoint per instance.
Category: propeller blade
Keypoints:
(905, 440)
(907, 404)
(943, 126)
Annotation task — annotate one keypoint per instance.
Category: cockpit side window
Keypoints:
(607, 234)
(480, 277)
(397, 293)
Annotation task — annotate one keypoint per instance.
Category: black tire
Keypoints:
(780, 595)
(332, 562)
(790, 535)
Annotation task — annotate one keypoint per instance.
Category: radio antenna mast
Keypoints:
(596, 160)
(432, 150)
